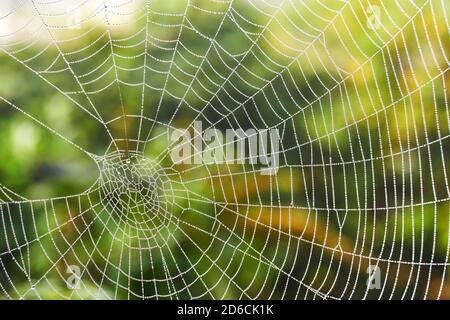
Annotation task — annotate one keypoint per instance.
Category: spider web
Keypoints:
(357, 90)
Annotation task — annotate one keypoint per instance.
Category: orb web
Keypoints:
(136, 191)
(357, 90)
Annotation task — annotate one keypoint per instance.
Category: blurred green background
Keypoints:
(364, 119)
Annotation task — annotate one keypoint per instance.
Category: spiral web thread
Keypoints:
(362, 110)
